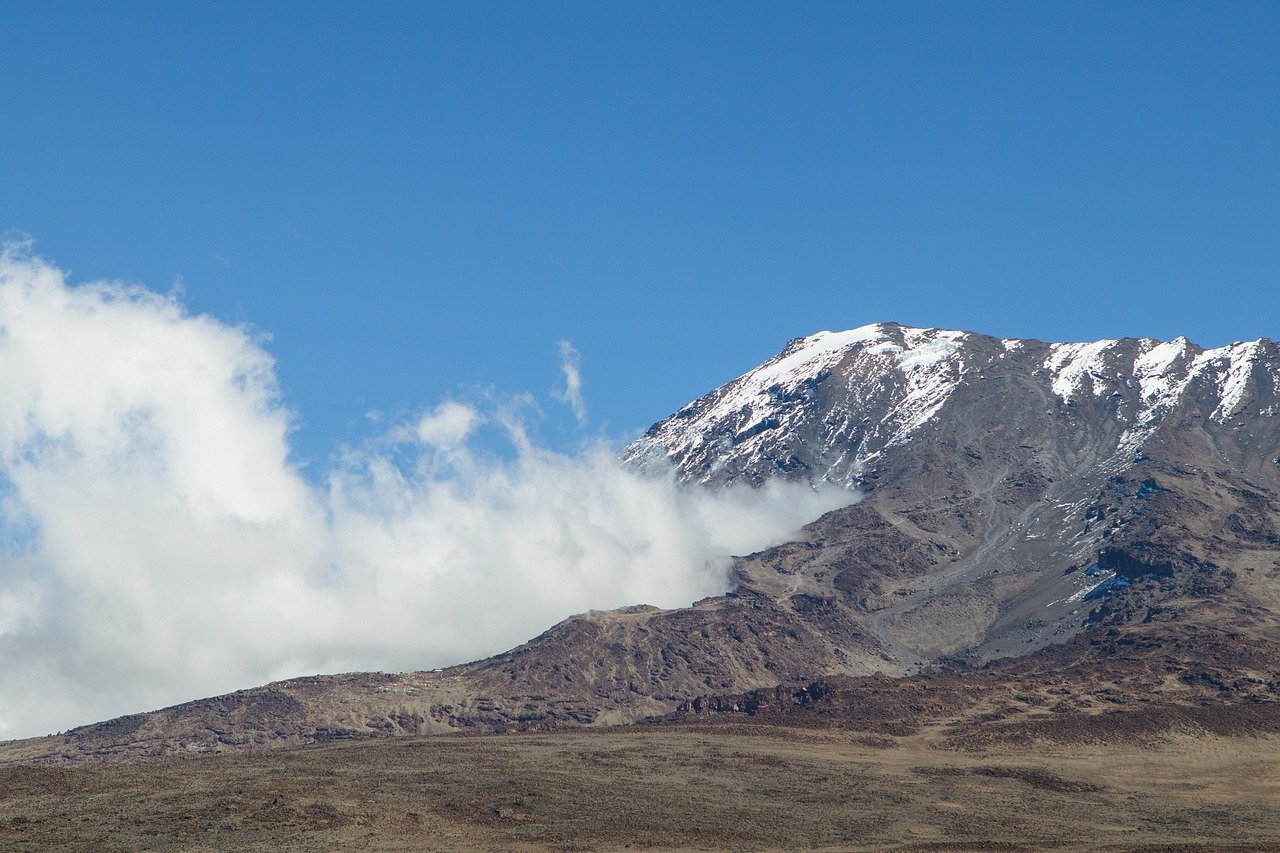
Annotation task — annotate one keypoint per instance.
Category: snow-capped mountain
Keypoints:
(1030, 487)
(830, 405)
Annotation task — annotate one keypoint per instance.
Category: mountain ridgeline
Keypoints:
(840, 406)
(1107, 512)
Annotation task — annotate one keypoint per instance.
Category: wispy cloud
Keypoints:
(156, 544)
(571, 394)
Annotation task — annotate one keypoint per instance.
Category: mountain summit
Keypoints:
(1097, 519)
(830, 405)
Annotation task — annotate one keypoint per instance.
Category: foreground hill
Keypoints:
(1021, 500)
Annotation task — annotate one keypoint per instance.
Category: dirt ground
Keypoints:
(675, 787)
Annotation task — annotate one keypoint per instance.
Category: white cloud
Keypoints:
(448, 426)
(156, 545)
(571, 394)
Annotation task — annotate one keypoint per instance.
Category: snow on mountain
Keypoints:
(830, 404)
(901, 375)
(1073, 366)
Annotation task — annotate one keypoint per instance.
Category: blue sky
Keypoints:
(419, 200)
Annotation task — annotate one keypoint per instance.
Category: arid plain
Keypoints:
(1193, 782)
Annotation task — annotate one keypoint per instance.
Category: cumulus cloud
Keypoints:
(571, 394)
(157, 545)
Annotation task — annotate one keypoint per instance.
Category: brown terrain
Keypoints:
(1052, 622)
(933, 764)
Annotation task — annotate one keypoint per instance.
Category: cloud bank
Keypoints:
(156, 544)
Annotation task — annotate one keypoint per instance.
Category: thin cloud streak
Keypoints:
(571, 394)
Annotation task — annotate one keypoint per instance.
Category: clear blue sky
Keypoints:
(417, 199)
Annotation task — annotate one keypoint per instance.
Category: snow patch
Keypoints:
(1071, 364)
(1237, 363)
(1154, 369)
(812, 354)
(928, 348)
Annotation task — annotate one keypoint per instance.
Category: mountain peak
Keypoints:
(829, 405)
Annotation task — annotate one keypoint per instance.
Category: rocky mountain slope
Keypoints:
(1017, 494)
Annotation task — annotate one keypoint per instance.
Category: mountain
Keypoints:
(1104, 513)
(1029, 489)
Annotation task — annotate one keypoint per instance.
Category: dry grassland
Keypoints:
(674, 787)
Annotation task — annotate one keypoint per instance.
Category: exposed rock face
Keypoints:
(1017, 494)
(1140, 683)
